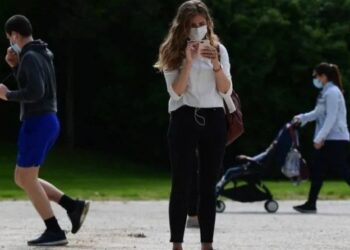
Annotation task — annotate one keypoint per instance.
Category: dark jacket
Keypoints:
(35, 75)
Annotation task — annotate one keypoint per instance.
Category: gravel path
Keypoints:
(144, 225)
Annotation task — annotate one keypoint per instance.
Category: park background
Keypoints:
(113, 103)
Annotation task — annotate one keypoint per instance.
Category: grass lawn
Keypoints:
(101, 177)
(88, 175)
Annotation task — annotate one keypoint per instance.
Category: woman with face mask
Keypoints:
(331, 137)
(197, 73)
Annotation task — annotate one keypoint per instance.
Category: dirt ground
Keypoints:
(144, 225)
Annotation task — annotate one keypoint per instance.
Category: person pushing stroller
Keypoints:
(331, 139)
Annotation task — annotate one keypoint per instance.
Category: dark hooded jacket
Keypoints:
(35, 75)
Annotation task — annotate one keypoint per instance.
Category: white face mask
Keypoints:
(197, 34)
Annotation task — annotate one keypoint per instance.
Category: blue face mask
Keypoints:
(15, 48)
(317, 83)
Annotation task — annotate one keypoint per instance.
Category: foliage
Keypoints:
(120, 101)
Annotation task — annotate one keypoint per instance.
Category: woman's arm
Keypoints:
(221, 68)
(181, 82)
(223, 84)
(222, 72)
(177, 83)
(308, 117)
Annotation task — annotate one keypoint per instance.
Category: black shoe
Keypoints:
(306, 208)
(50, 238)
(77, 217)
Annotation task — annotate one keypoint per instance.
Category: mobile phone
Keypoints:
(202, 45)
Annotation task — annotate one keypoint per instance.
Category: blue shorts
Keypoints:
(36, 137)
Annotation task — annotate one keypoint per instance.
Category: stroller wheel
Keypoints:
(271, 206)
(220, 206)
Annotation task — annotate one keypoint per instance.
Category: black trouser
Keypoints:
(193, 197)
(189, 129)
(333, 154)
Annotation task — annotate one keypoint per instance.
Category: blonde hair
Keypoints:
(172, 50)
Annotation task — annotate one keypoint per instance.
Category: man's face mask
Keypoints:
(14, 46)
(197, 34)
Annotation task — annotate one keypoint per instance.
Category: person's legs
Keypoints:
(317, 174)
(182, 144)
(56, 195)
(37, 135)
(193, 201)
(338, 152)
(318, 169)
(211, 153)
(192, 220)
(52, 192)
(76, 209)
(27, 179)
(179, 196)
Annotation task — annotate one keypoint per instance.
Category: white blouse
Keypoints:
(201, 90)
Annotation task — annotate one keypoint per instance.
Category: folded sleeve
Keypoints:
(170, 77)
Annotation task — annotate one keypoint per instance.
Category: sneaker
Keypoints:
(50, 238)
(306, 208)
(192, 222)
(77, 217)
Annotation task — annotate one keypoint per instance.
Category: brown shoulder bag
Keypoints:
(234, 120)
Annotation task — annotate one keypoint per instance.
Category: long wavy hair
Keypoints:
(172, 50)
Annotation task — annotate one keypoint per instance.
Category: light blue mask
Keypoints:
(317, 83)
(15, 48)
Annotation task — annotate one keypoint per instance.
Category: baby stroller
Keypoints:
(283, 150)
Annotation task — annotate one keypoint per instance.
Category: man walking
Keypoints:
(32, 64)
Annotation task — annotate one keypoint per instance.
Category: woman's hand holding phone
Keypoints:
(208, 51)
(191, 50)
